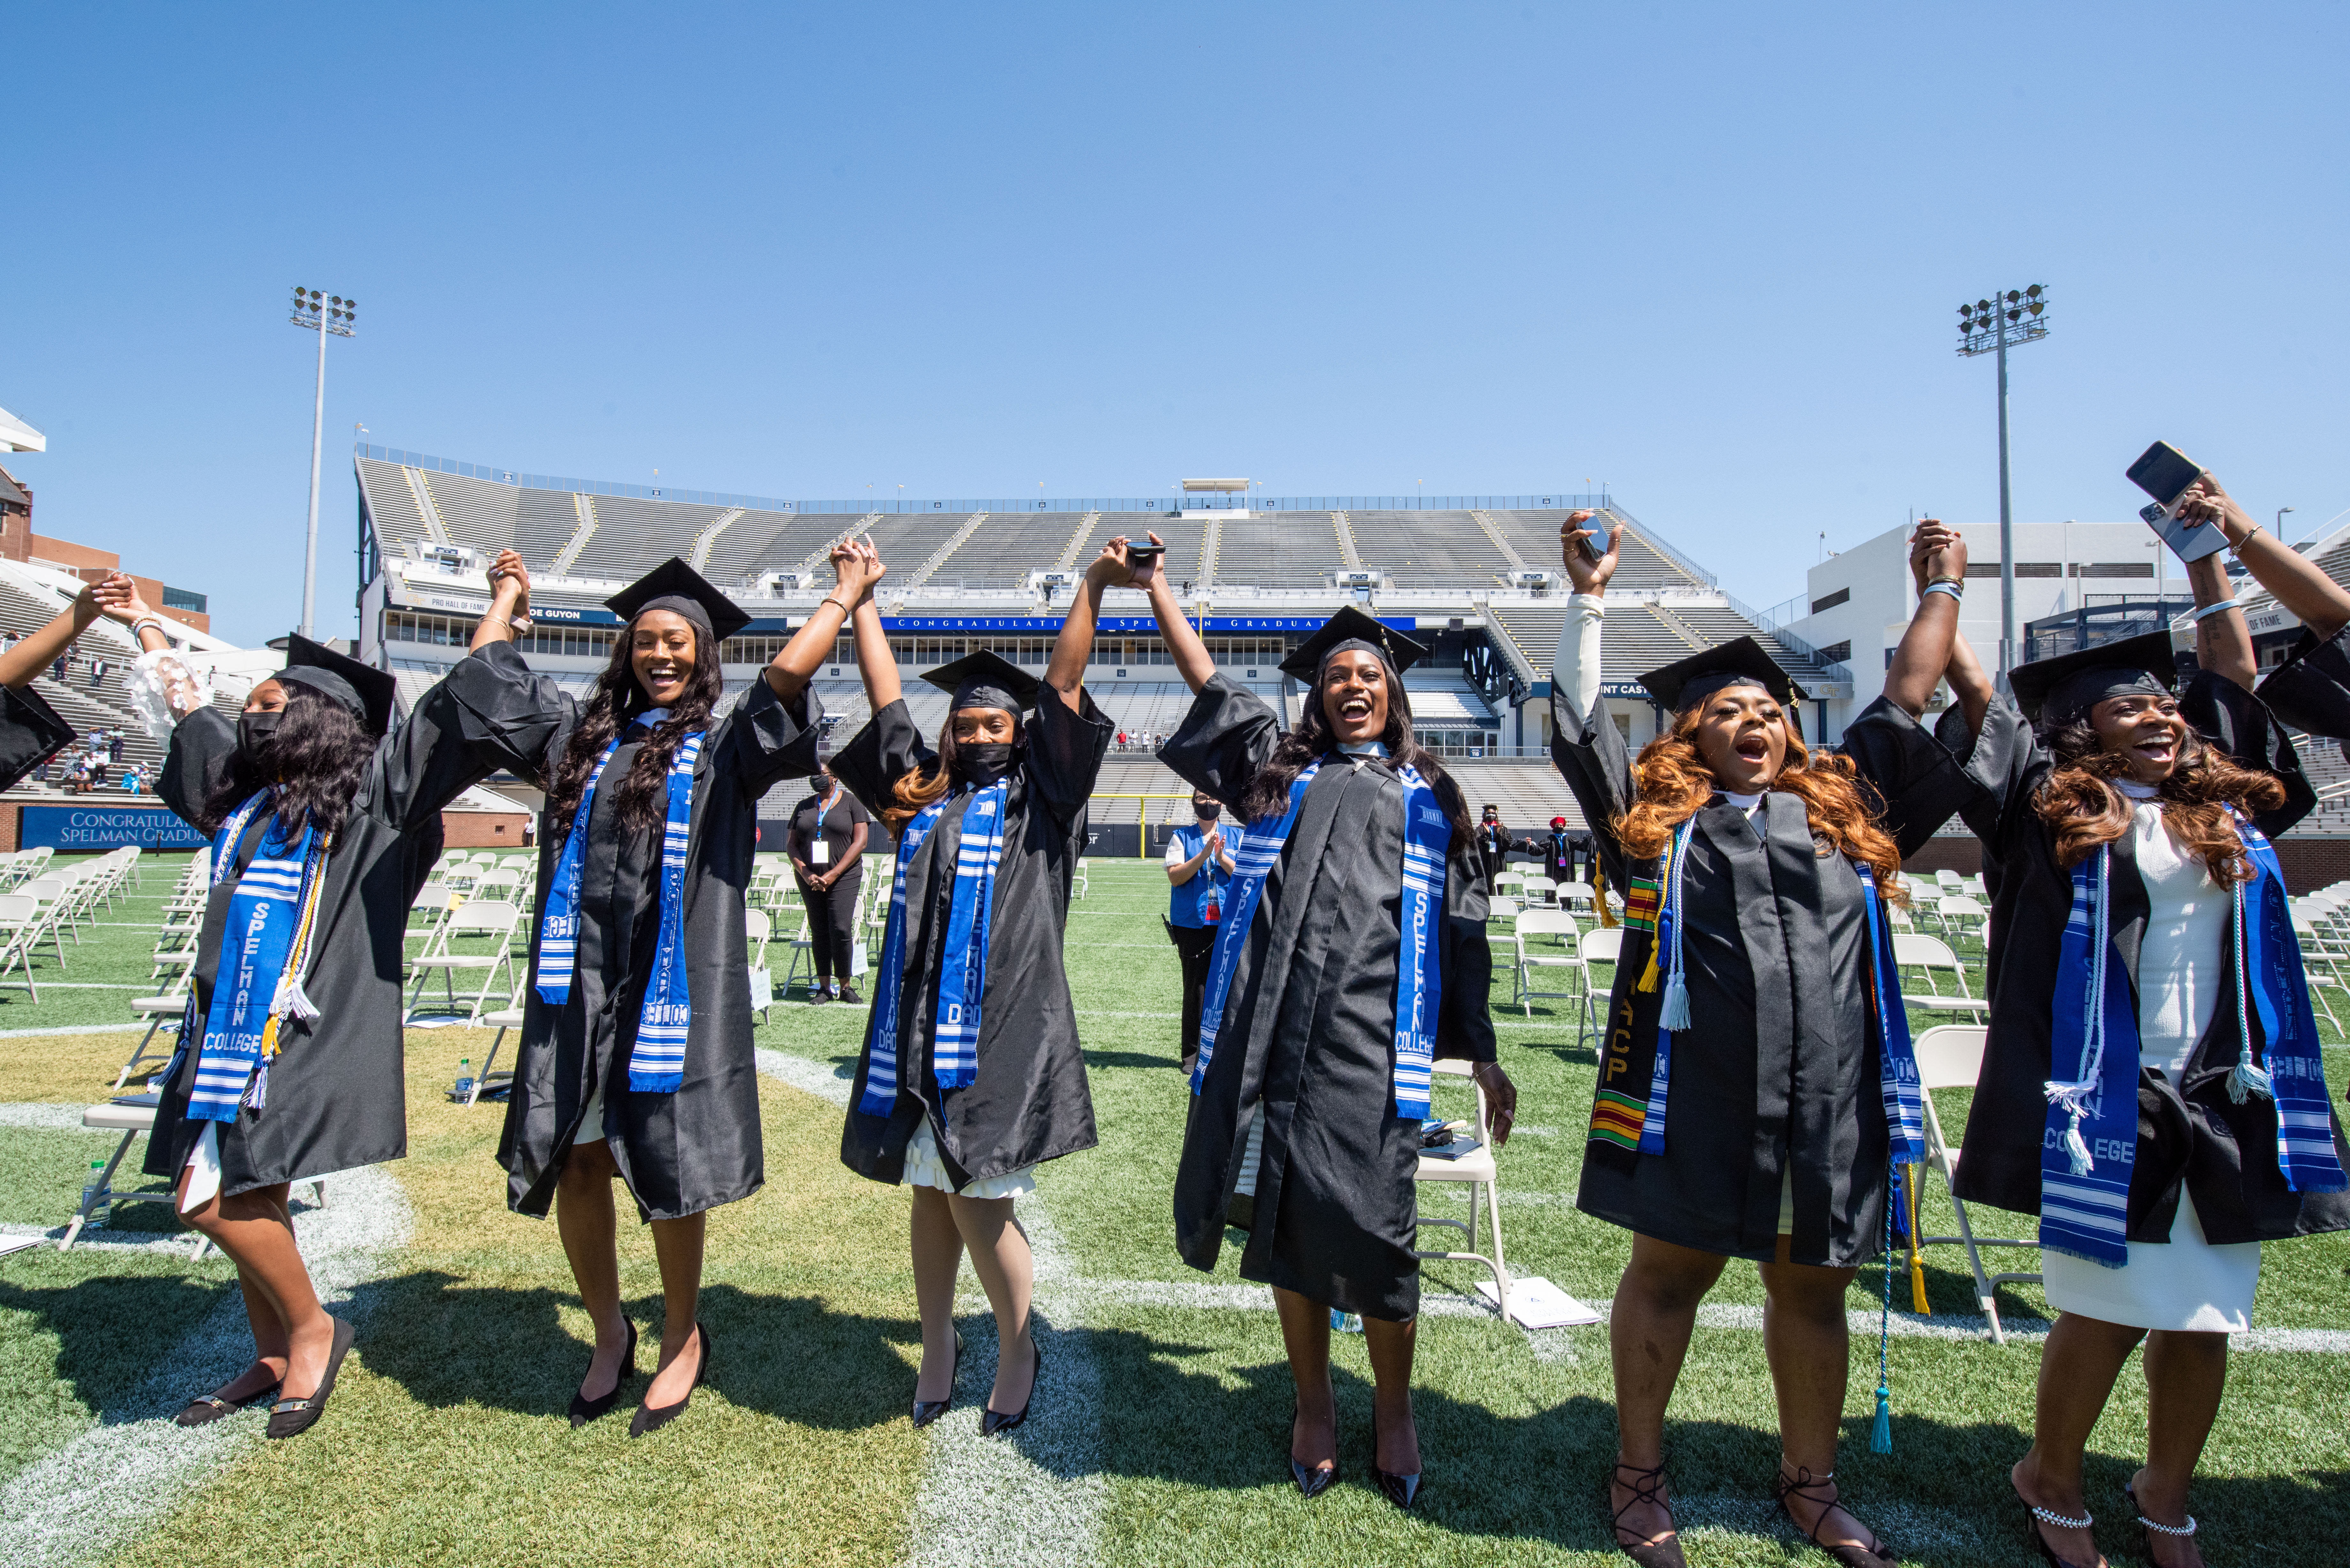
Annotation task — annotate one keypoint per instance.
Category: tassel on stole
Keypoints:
(1675, 1016)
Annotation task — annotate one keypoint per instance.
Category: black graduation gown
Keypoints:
(697, 1147)
(336, 1095)
(2189, 1133)
(1028, 1100)
(1308, 1028)
(30, 733)
(1780, 1068)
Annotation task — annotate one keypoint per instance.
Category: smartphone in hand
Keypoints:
(2166, 474)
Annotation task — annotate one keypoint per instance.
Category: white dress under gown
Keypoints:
(2189, 1284)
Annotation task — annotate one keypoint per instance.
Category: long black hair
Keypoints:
(1268, 793)
(618, 699)
(316, 757)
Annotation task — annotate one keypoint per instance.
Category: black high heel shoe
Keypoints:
(1312, 1480)
(992, 1423)
(584, 1410)
(1401, 1490)
(2032, 1516)
(929, 1410)
(292, 1418)
(1873, 1553)
(2154, 1527)
(649, 1418)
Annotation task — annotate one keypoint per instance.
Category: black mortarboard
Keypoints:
(985, 679)
(674, 585)
(1351, 627)
(1686, 682)
(2060, 689)
(365, 690)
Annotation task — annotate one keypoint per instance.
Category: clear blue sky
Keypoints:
(1711, 255)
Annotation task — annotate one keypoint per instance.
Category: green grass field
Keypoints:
(1160, 1433)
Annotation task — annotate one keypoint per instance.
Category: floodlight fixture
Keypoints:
(328, 315)
(1992, 326)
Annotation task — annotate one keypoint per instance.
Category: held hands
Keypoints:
(1113, 570)
(117, 599)
(510, 583)
(1501, 1099)
(859, 568)
(1588, 577)
(1936, 550)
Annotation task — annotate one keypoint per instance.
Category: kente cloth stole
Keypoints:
(1633, 1116)
(266, 942)
(880, 1096)
(2268, 967)
(2090, 1137)
(1420, 976)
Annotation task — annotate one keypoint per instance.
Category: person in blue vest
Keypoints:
(1199, 869)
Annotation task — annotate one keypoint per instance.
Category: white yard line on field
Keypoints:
(70, 1029)
(52, 1118)
(133, 1464)
(1036, 1495)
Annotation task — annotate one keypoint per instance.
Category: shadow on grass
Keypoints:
(111, 1326)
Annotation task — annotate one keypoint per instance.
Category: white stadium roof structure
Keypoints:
(1477, 576)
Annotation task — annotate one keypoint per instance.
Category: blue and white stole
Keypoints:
(2090, 1138)
(2268, 967)
(1420, 976)
(657, 1061)
(1896, 1057)
(266, 941)
(962, 963)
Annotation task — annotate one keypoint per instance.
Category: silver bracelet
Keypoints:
(154, 620)
(2224, 605)
(1957, 594)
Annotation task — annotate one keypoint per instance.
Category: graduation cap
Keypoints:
(674, 585)
(1350, 627)
(364, 689)
(2056, 691)
(986, 680)
(1684, 683)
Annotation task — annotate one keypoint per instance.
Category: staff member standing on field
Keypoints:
(1199, 866)
(827, 849)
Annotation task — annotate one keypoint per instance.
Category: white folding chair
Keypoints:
(1568, 959)
(504, 1019)
(1538, 888)
(1932, 956)
(1500, 908)
(48, 892)
(803, 947)
(1481, 1174)
(1505, 879)
(1949, 1056)
(1078, 878)
(757, 928)
(20, 927)
(130, 1121)
(1949, 881)
(2317, 947)
(1962, 915)
(1573, 896)
(489, 920)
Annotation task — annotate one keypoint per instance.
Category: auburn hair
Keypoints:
(918, 788)
(1671, 784)
(2085, 812)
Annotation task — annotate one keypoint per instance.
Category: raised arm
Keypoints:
(2223, 642)
(36, 649)
(1066, 672)
(1937, 557)
(790, 671)
(1969, 683)
(509, 601)
(2307, 593)
(1190, 655)
(118, 600)
(857, 561)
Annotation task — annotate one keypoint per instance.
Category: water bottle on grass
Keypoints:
(97, 1184)
(464, 1076)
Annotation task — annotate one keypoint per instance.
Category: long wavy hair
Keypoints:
(1267, 794)
(2081, 807)
(644, 794)
(316, 757)
(918, 787)
(1671, 782)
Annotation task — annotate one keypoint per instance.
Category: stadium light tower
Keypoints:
(1988, 327)
(326, 315)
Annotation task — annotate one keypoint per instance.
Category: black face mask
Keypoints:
(252, 732)
(1209, 812)
(983, 762)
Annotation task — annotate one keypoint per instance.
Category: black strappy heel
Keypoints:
(1852, 1553)
(1646, 1486)
(2032, 1515)
(2155, 1527)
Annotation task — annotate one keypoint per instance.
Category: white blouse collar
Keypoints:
(2135, 790)
(1365, 748)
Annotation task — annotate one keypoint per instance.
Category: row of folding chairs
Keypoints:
(46, 910)
(21, 866)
